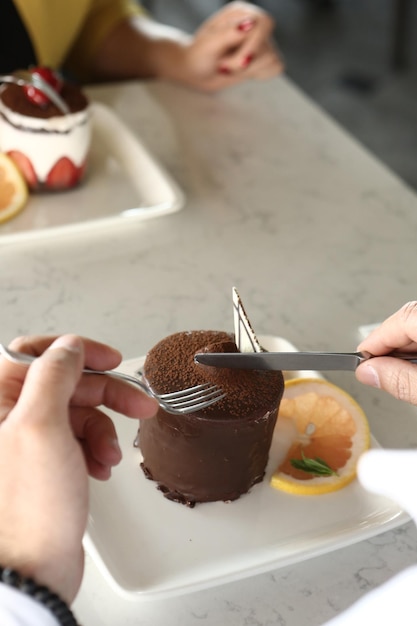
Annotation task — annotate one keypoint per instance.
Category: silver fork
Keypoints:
(178, 402)
(24, 77)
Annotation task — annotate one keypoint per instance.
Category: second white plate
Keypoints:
(149, 547)
(124, 182)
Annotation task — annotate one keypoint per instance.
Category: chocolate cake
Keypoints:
(217, 453)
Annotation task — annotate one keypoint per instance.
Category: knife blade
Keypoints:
(291, 361)
(325, 361)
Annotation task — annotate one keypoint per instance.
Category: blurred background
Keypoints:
(356, 58)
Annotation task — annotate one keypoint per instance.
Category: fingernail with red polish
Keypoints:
(247, 60)
(246, 24)
(224, 70)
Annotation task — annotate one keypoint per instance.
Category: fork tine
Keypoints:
(188, 392)
(196, 406)
(190, 399)
(207, 403)
(193, 399)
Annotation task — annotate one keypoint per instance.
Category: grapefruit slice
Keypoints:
(13, 189)
(328, 433)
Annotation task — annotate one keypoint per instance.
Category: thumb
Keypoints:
(397, 377)
(51, 381)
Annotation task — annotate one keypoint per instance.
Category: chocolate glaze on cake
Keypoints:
(15, 99)
(217, 453)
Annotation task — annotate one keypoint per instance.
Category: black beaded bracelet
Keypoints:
(58, 607)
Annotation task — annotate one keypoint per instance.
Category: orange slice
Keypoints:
(326, 430)
(13, 189)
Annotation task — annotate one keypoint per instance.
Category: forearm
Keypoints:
(232, 46)
(141, 48)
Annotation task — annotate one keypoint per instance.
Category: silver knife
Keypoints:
(325, 361)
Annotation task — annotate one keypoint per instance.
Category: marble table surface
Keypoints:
(318, 237)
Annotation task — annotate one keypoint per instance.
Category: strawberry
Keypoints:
(26, 168)
(63, 175)
(35, 95)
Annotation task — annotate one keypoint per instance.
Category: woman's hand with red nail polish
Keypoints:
(232, 46)
(247, 60)
(246, 24)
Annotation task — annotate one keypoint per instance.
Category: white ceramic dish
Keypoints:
(124, 182)
(149, 547)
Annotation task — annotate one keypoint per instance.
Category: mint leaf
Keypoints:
(315, 466)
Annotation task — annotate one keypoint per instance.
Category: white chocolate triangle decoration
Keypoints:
(245, 338)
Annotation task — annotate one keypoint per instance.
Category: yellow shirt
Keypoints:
(71, 30)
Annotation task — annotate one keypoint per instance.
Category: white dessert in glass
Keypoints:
(50, 148)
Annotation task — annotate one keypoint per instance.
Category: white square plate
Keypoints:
(124, 182)
(150, 547)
